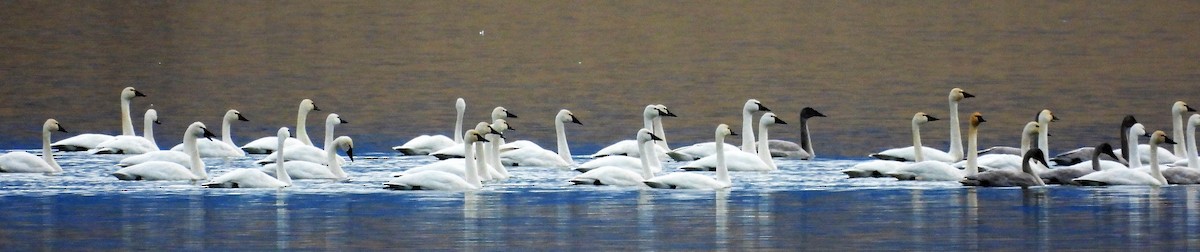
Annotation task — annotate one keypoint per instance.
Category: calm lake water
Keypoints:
(394, 68)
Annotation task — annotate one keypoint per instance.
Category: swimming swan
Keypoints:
(531, 155)
(802, 151)
(1131, 176)
(310, 153)
(1189, 171)
(444, 181)
(255, 178)
(1026, 177)
(300, 169)
(630, 147)
(938, 171)
(266, 145)
(880, 168)
(955, 154)
(456, 150)
(224, 148)
(164, 170)
(689, 180)
(1084, 153)
(1067, 175)
(701, 150)
(741, 160)
(425, 144)
(21, 161)
(622, 175)
(132, 144)
(1177, 112)
(87, 141)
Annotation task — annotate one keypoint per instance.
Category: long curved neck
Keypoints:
(335, 165)
(458, 126)
(1154, 163)
(644, 150)
(973, 150)
(281, 173)
(747, 131)
(1096, 160)
(1191, 147)
(722, 169)
(301, 129)
(329, 133)
(1125, 145)
(493, 155)
(1044, 138)
(126, 121)
(1026, 142)
(47, 153)
(658, 131)
(764, 152)
(1025, 167)
(956, 148)
(485, 172)
(225, 132)
(189, 147)
(806, 139)
(916, 135)
(564, 151)
(1135, 160)
(471, 170)
(1177, 123)
(148, 131)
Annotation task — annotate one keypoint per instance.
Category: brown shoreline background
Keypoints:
(393, 69)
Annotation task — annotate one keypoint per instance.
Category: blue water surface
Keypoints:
(807, 205)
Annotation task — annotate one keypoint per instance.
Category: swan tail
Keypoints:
(408, 151)
(585, 181)
(220, 185)
(680, 156)
(659, 185)
(105, 151)
(690, 168)
(250, 150)
(445, 156)
(888, 157)
(68, 148)
(970, 181)
(1085, 182)
(123, 176)
(400, 187)
(856, 173)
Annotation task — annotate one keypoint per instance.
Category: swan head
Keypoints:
(957, 94)
(976, 119)
(473, 136)
(345, 143)
(567, 117)
(1106, 149)
(645, 135)
(753, 105)
(1129, 121)
(921, 118)
(130, 92)
(52, 125)
(1160, 137)
(501, 125)
(1181, 107)
(308, 105)
(809, 112)
(152, 116)
(233, 114)
(1046, 116)
(334, 119)
(663, 111)
(1031, 129)
(769, 119)
(1138, 130)
(198, 129)
(484, 128)
(1036, 155)
(723, 130)
(460, 104)
(1194, 119)
(501, 112)
(282, 133)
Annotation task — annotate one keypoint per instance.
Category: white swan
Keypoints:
(454, 166)
(1177, 112)
(803, 150)
(425, 144)
(939, 171)
(132, 144)
(87, 141)
(456, 150)
(21, 161)
(688, 180)
(255, 178)
(629, 147)
(225, 147)
(955, 154)
(622, 175)
(491, 154)
(1044, 118)
(1026, 177)
(310, 153)
(741, 160)
(658, 125)
(531, 155)
(1010, 161)
(444, 181)
(1131, 176)
(1067, 175)
(164, 170)
(1190, 158)
(701, 150)
(880, 168)
(1189, 172)
(300, 169)
(266, 145)
(1081, 154)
